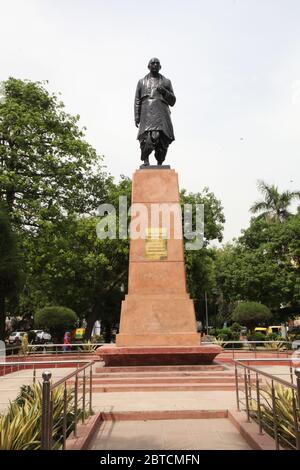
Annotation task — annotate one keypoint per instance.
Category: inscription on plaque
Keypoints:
(156, 244)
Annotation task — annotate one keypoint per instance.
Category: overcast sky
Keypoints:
(234, 66)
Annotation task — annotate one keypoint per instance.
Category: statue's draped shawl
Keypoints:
(152, 108)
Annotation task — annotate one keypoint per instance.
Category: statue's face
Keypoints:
(154, 66)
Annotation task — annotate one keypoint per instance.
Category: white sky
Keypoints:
(234, 66)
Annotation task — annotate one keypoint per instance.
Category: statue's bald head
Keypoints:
(154, 62)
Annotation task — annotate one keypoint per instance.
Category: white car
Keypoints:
(16, 337)
(296, 344)
(42, 336)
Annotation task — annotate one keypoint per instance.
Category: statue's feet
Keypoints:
(146, 162)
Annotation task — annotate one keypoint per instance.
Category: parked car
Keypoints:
(296, 344)
(268, 330)
(274, 329)
(260, 329)
(42, 336)
(16, 337)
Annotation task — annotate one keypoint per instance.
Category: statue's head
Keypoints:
(154, 65)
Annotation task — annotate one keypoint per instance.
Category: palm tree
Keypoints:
(275, 205)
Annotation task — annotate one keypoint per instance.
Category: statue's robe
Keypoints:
(151, 108)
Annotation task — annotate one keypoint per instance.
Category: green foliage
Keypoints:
(285, 417)
(277, 345)
(20, 427)
(213, 212)
(274, 207)
(236, 327)
(274, 337)
(200, 267)
(10, 270)
(251, 313)
(264, 266)
(256, 337)
(47, 168)
(227, 334)
(56, 319)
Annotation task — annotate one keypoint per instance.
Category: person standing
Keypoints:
(67, 341)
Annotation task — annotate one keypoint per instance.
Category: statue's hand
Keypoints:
(137, 123)
(162, 90)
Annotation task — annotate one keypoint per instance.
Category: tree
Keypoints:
(49, 176)
(263, 265)
(68, 265)
(213, 213)
(275, 204)
(10, 272)
(200, 264)
(55, 319)
(251, 314)
(47, 169)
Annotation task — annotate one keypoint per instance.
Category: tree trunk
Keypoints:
(2, 317)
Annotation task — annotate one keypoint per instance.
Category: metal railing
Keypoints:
(73, 397)
(69, 399)
(8, 367)
(270, 401)
(52, 348)
(258, 348)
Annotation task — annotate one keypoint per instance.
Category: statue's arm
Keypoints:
(168, 93)
(137, 104)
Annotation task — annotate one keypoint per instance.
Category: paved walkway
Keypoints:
(179, 434)
(158, 401)
(189, 434)
(10, 384)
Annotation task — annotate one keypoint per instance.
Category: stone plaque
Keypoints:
(156, 244)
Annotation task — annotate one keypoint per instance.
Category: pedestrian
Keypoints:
(67, 345)
(24, 346)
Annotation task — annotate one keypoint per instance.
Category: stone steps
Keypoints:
(118, 375)
(161, 387)
(204, 368)
(162, 378)
(157, 380)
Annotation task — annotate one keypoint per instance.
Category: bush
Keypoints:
(285, 418)
(226, 334)
(274, 337)
(236, 327)
(251, 314)
(56, 319)
(256, 337)
(20, 427)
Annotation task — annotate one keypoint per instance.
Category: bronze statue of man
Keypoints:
(154, 94)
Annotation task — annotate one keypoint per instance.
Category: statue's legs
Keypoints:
(161, 147)
(154, 140)
(147, 146)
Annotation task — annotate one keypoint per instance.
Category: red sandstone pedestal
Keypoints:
(158, 356)
(158, 324)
